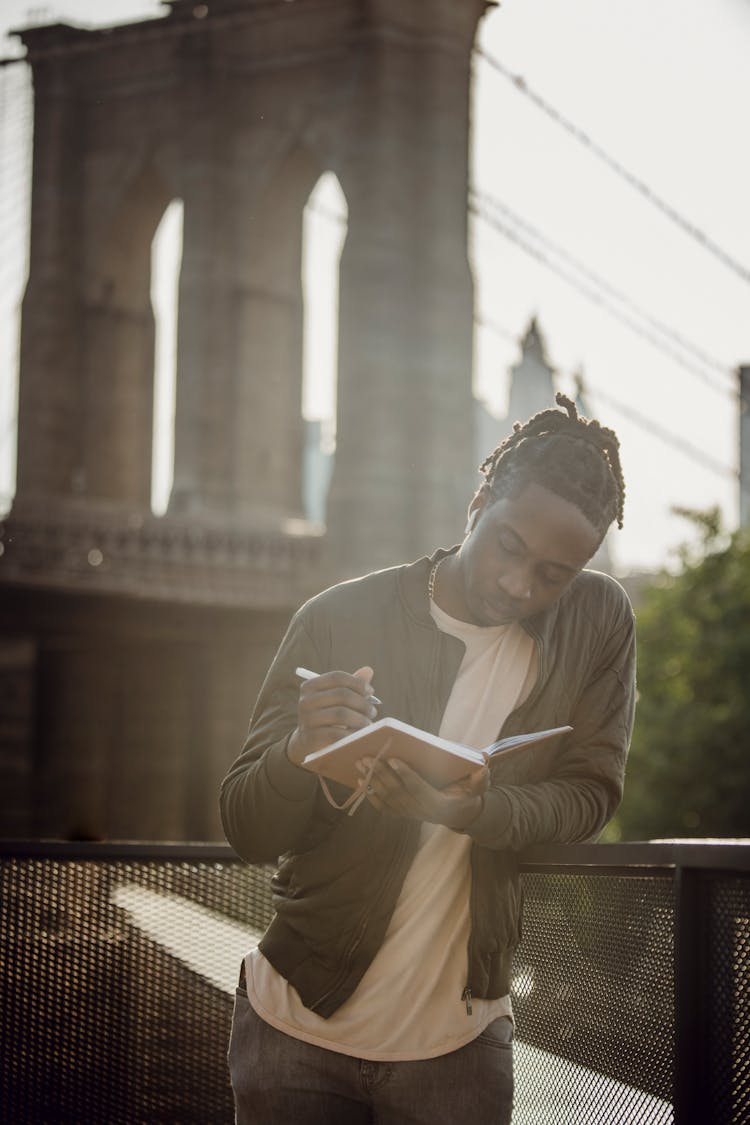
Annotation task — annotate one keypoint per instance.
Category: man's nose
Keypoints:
(517, 582)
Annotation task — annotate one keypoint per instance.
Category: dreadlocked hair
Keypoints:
(575, 457)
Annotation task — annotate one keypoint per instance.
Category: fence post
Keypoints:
(692, 1087)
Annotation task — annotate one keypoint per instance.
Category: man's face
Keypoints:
(521, 554)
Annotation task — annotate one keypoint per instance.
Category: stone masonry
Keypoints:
(236, 107)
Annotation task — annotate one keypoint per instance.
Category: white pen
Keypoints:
(306, 674)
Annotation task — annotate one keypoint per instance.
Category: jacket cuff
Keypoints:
(291, 782)
(491, 827)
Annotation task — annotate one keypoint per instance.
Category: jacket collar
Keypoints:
(413, 580)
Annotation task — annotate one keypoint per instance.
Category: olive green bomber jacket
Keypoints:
(339, 877)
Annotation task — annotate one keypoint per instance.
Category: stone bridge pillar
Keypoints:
(404, 464)
(50, 391)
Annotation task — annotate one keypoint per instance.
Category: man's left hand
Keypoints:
(397, 789)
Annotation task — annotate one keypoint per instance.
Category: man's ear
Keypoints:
(478, 502)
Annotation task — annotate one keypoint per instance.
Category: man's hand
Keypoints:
(396, 788)
(330, 706)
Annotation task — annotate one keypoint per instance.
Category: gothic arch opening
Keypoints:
(324, 228)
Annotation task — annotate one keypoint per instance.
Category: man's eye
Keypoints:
(554, 577)
(509, 547)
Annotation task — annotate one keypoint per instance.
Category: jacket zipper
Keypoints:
(538, 686)
(346, 964)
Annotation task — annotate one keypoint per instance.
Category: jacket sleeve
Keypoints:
(266, 801)
(585, 784)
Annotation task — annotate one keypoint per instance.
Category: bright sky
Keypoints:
(662, 90)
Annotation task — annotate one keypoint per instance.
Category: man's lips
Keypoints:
(502, 610)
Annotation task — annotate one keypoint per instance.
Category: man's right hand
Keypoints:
(330, 706)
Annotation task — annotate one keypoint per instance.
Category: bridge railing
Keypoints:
(631, 986)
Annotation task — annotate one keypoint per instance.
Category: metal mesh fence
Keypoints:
(593, 997)
(728, 1023)
(118, 980)
(118, 977)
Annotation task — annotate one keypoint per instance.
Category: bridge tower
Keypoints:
(235, 107)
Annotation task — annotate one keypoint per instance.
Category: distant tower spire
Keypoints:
(581, 398)
(532, 379)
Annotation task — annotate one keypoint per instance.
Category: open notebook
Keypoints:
(438, 760)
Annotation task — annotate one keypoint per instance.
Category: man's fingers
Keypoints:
(413, 782)
(395, 783)
(477, 782)
(329, 693)
(315, 703)
(357, 682)
(330, 705)
(337, 716)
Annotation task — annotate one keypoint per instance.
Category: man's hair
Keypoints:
(575, 457)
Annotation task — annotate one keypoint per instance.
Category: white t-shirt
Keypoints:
(409, 1003)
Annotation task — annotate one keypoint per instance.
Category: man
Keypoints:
(380, 991)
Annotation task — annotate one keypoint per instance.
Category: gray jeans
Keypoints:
(278, 1080)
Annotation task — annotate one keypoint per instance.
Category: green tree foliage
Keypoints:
(689, 767)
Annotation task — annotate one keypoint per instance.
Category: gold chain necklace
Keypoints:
(431, 580)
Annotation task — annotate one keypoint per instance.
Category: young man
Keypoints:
(380, 991)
